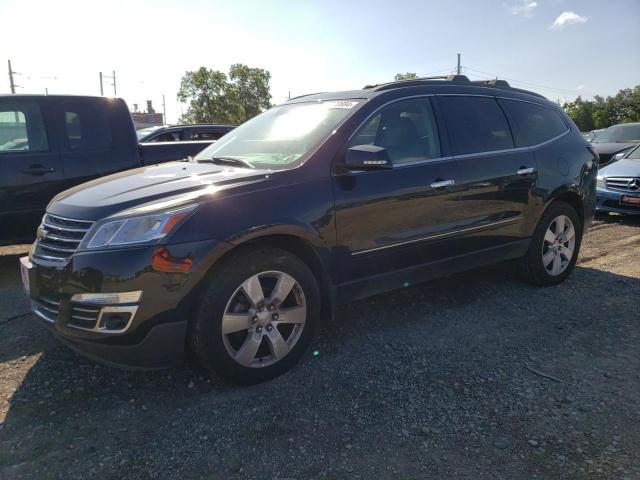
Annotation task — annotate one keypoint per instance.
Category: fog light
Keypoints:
(115, 321)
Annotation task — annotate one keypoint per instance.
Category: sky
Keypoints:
(560, 48)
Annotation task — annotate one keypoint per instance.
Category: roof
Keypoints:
(443, 84)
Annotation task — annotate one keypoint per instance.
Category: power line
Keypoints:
(546, 87)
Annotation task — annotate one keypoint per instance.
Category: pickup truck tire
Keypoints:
(257, 315)
(554, 247)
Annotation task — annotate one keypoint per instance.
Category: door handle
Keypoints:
(442, 183)
(525, 170)
(38, 170)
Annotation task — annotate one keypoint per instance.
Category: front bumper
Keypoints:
(610, 201)
(145, 325)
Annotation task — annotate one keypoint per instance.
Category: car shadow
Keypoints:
(110, 422)
(633, 220)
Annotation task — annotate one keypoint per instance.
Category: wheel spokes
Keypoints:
(248, 350)
(296, 314)
(548, 257)
(560, 225)
(283, 288)
(557, 265)
(549, 237)
(277, 345)
(567, 252)
(253, 290)
(234, 322)
(569, 234)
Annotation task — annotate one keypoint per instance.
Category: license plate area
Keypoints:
(629, 200)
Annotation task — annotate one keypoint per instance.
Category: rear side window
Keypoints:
(207, 135)
(21, 127)
(87, 126)
(534, 124)
(476, 124)
(406, 129)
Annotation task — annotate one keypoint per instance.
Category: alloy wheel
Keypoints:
(558, 245)
(264, 319)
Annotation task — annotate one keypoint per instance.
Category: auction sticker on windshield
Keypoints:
(341, 104)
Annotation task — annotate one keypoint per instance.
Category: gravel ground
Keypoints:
(473, 376)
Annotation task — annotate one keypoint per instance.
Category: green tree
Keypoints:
(212, 97)
(405, 76)
(603, 112)
(250, 89)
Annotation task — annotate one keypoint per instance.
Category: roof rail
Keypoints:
(494, 82)
(416, 82)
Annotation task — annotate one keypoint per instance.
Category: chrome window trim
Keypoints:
(438, 235)
(466, 155)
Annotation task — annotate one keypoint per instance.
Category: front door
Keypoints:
(394, 219)
(30, 170)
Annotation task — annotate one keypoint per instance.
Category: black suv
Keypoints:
(235, 256)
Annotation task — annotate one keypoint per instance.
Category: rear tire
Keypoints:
(554, 247)
(242, 330)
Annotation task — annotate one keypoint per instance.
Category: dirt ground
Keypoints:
(473, 376)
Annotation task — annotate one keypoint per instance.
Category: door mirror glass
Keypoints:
(367, 157)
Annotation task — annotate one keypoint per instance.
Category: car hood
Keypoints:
(611, 148)
(168, 184)
(626, 167)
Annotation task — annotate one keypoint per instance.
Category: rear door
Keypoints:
(399, 218)
(30, 170)
(496, 178)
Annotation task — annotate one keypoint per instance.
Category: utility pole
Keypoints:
(164, 111)
(458, 69)
(12, 84)
(113, 77)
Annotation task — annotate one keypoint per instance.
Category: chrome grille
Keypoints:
(84, 316)
(46, 308)
(623, 184)
(59, 238)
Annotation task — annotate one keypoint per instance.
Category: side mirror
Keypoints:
(367, 157)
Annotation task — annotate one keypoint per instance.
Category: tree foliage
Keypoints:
(602, 113)
(405, 76)
(212, 97)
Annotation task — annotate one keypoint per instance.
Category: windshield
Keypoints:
(619, 134)
(635, 154)
(281, 136)
(145, 131)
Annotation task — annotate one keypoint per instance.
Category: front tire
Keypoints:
(257, 315)
(554, 247)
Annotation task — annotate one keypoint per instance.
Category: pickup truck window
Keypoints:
(21, 127)
(87, 127)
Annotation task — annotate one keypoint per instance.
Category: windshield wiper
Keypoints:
(238, 162)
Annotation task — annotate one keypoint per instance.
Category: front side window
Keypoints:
(21, 127)
(476, 124)
(280, 137)
(87, 127)
(534, 124)
(406, 129)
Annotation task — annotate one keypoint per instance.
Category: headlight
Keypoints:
(600, 182)
(138, 229)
